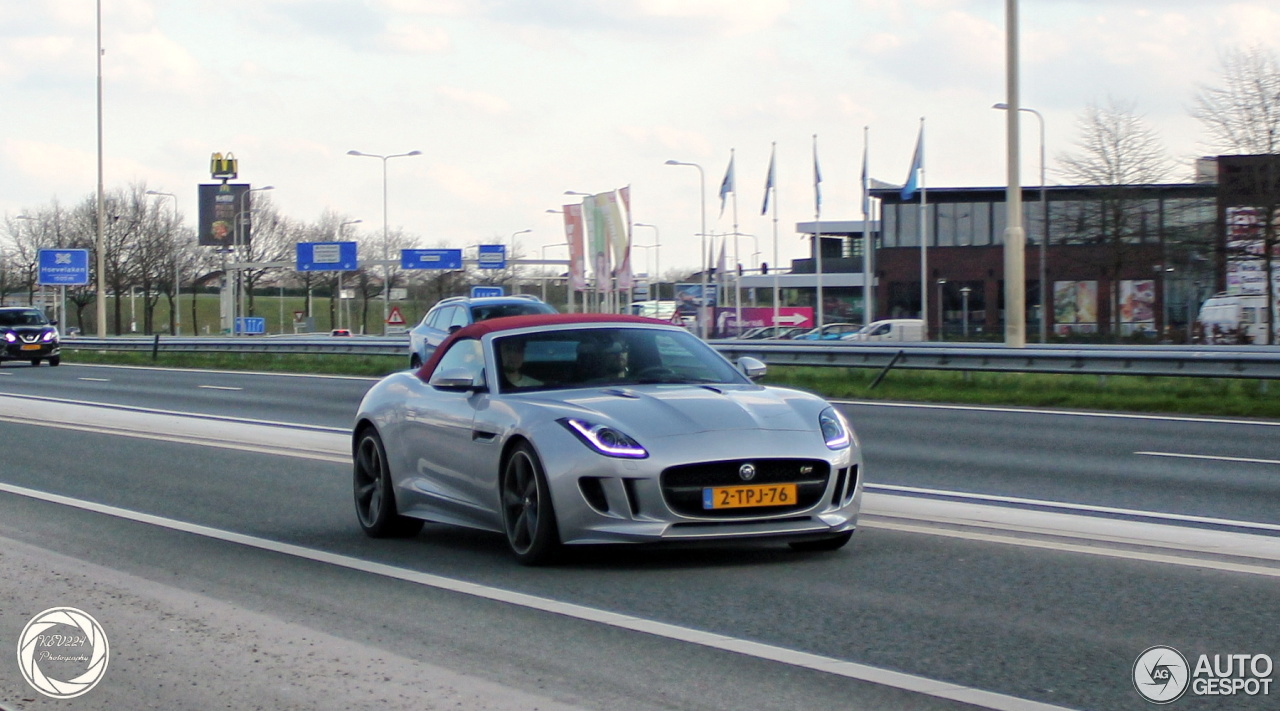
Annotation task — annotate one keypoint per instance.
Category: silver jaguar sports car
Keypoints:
(568, 429)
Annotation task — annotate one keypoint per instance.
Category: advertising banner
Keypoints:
(219, 204)
(593, 213)
(574, 233)
(1075, 306)
(620, 236)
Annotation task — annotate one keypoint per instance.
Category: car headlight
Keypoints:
(604, 439)
(835, 431)
(10, 337)
(49, 336)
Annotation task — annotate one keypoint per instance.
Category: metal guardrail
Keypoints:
(1258, 362)
(316, 344)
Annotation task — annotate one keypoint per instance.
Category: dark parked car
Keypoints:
(25, 334)
(448, 315)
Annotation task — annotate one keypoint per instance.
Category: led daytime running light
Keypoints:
(838, 439)
(606, 440)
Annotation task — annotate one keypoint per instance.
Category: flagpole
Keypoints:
(817, 229)
(737, 279)
(772, 179)
(924, 238)
(868, 244)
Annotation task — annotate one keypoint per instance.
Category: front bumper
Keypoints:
(603, 500)
(26, 351)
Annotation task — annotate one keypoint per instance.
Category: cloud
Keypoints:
(648, 17)
(673, 140)
(487, 103)
(412, 39)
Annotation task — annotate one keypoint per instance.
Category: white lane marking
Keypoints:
(5, 373)
(147, 368)
(1141, 540)
(1070, 413)
(218, 387)
(1246, 460)
(768, 652)
(1076, 548)
(175, 413)
(96, 380)
(1062, 505)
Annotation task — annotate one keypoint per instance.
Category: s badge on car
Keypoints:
(747, 472)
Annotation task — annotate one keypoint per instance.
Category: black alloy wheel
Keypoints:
(527, 513)
(375, 500)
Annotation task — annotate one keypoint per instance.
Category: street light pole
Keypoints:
(177, 275)
(1044, 233)
(964, 296)
(242, 253)
(386, 259)
(941, 320)
(341, 307)
(702, 193)
(657, 264)
(102, 203)
(569, 295)
(511, 255)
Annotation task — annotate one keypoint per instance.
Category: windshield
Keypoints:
(589, 357)
(487, 311)
(23, 317)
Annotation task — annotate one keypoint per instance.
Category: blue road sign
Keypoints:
(63, 267)
(493, 256)
(251, 325)
(327, 257)
(431, 259)
(482, 291)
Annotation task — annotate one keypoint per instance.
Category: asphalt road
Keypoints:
(1052, 626)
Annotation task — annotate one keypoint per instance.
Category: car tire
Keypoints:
(820, 545)
(55, 360)
(35, 362)
(527, 514)
(374, 498)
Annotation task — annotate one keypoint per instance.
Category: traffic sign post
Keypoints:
(492, 256)
(327, 257)
(395, 321)
(431, 259)
(63, 267)
(250, 325)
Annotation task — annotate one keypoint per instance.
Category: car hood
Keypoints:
(666, 410)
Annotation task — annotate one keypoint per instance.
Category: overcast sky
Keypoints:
(513, 102)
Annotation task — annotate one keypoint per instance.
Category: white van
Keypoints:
(1232, 319)
(894, 329)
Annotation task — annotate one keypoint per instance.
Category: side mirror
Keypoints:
(456, 379)
(752, 368)
(53, 322)
(454, 327)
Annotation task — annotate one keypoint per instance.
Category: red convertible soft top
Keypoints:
(507, 323)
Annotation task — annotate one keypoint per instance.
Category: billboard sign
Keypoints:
(327, 257)
(219, 204)
(493, 256)
(431, 259)
(63, 267)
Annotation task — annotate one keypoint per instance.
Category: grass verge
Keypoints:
(1187, 396)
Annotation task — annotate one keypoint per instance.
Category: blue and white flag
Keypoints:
(817, 179)
(768, 181)
(917, 165)
(726, 185)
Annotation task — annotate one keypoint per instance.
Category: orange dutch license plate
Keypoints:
(737, 497)
(31, 346)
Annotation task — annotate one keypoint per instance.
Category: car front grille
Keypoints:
(682, 486)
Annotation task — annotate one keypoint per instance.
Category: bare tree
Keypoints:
(1242, 115)
(1116, 148)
